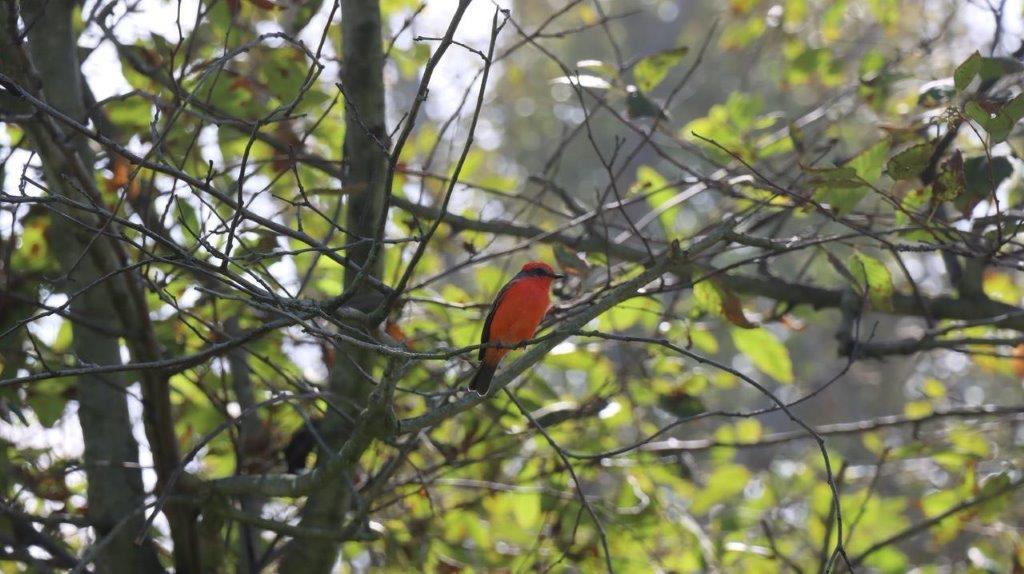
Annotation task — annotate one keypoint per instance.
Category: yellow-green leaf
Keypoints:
(748, 430)
(917, 409)
(868, 163)
(766, 351)
(652, 69)
(874, 279)
(714, 298)
(933, 388)
(527, 509)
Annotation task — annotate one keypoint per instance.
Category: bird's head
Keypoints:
(539, 270)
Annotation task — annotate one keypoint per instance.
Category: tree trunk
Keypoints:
(365, 167)
(251, 437)
(115, 489)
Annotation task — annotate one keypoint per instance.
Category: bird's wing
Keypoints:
(486, 335)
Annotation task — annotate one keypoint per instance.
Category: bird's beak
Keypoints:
(557, 276)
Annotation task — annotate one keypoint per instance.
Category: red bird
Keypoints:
(515, 314)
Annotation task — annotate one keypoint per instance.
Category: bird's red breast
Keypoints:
(518, 310)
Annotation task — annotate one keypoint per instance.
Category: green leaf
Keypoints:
(283, 72)
(998, 123)
(813, 65)
(996, 67)
(844, 187)
(748, 430)
(651, 70)
(839, 187)
(660, 192)
(977, 113)
(950, 183)
(235, 97)
(997, 486)
(628, 314)
(703, 339)
(968, 441)
(888, 559)
(743, 109)
(874, 279)
(966, 71)
(912, 203)
(872, 64)
(835, 176)
(937, 502)
(741, 33)
(188, 218)
(727, 125)
(34, 253)
(62, 343)
(868, 163)
(708, 297)
(1014, 109)
(47, 401)
(980, 180)
(727, 481)
(714, 298)
(527, 510)
(983, 177)
(910, 162)
(765, 350)
(131, 114)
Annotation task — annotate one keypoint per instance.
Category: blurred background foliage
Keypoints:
(701, 111)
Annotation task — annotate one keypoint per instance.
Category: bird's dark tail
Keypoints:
(482, 379)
